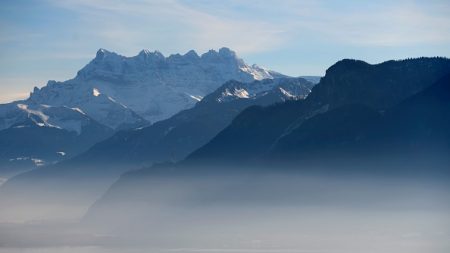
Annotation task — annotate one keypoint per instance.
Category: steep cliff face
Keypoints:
(120, 91)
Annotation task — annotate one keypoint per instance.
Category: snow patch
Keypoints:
(22, 106)
(78, 110)
(241, 93)
(257, 72)
(95, 92)
(198, 98)
(237, 92)
(227, 93)
(38, 162)
(19, 159)
(286, 93)
(40, 114)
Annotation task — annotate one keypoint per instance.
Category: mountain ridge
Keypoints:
(123, 93)
(208, 116)
(90, 173)
(377, 86)
(403, 138)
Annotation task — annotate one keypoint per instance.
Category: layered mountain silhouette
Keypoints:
(118, 93)
(401, 136)
(350, 98)
(358, 110)
(417, 129)
(150, 85)
(172, 139)
(90, 173)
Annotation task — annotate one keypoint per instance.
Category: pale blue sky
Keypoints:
(53, 39)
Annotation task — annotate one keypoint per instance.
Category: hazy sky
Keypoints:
(53, 39)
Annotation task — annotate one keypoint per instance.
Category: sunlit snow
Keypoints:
(95, 92)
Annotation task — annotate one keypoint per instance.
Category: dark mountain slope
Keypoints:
(176, 137)
(249, 135)
(30, 144)
(351, 142)
(421, 121)
(256, 131)
(416, 130)
(82, 179)
(335, 131)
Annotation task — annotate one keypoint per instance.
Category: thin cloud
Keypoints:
(358, 24)
(254, 26)
(396, 23)
(136, 22)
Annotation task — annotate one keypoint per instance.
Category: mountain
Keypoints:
(415, 133)
(409, 140)
(174, 138)
(420, 123)
(257, 130)
(347, 110)
(43, 135)
(81, 179)
(119, 91)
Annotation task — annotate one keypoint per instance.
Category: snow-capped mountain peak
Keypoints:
(120, 91)
(290, 88)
